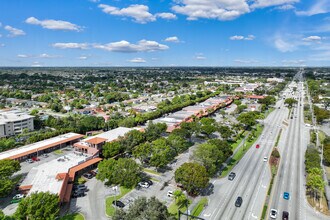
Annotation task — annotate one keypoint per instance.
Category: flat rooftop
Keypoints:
(43, 177)
(41, 145)
(112, 134)
(13, 115)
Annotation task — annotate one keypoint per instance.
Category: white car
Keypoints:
(29, 161)
(273, 213)
(170, 193)
(19, 196)
(144, 184)
(265, 159)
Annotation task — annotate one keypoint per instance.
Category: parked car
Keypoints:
(77, 194)
(19, 196)
(273, 213)
(265, 159)
(88, 175)
(231, 176)
(257, 146)
(148, 181)
(29, 161)
(80, 187)
(143, 184)
(286, 195)
(35, 159)
(118, 203)
(170, 193)
(45, 155)
(285, 215)
(238, 202)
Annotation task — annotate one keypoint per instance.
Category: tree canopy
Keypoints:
(144, 209)
(192, 176)
(124, 172)
(7, 169)
(39, 205)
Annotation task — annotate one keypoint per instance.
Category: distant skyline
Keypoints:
(164, 33)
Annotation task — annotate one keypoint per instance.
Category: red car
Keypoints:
(35, 159)
(257, 146)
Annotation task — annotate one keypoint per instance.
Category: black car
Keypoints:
(285, 215)
(118, 204)
(88, 176)
(238, 202)
(231, 176)
(77, 194)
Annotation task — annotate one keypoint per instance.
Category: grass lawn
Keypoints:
(199, 207)
(74, 216)
(240, 153)
(110, 209)
(151, 171)
(173, 208)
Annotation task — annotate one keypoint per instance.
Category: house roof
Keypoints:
(96, 140)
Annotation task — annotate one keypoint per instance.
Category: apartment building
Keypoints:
(14, 122)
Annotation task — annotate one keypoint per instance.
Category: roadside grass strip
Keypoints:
(199, 207)
(151, 171)
(174, 209)
(73, 216)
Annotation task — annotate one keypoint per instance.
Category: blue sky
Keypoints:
(165, 33)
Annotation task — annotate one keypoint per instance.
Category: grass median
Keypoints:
(73, 216)
(174, 209)
(110, 209)
(199, 207)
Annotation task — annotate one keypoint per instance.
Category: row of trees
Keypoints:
(326, 150)
(314, 179)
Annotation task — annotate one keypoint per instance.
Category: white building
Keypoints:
(14, 122)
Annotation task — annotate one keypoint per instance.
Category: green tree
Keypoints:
(111, 149)
(162, 153)
(132, 139)
(125, 172)
(192, 176)
(225, 132)
(154, 131)
(39, 205)
(7, 169)
(241, 108)
(248, 119)
(144, 209)
(209, 156)
(178, 143)
(143, 151)
(181, 199)
(290, 102)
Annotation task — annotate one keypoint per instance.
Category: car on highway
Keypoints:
(273, 213)
(265, 159)
(231, 176)
(285, 215)
(239, 201)
(286, 195)
(29, 161)
(118, 203)
(257, 146)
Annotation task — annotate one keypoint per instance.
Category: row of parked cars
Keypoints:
(35, 159)
(79, 190)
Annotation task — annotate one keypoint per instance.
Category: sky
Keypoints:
(36, 33)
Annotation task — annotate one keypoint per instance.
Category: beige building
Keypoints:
(13, 122)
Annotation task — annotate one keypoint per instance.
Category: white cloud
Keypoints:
(320, 7)
(211, 9)
(293, 62)
(238, 37)
(285, 7)
(70, 45)
(137, 60)
(140, 13)
(269, 3)
(36, 64)
(199, 56)
(312, 39)
(166, 16)
(173, 39)
(249, 61)
(283, 45)
(127, 47)
(43, 55)
(83, 58)
(53, 24)
(14, 31)
(22, 56)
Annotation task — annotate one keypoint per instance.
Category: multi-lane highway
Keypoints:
(252, 177)
(253, 174)
(291, 172)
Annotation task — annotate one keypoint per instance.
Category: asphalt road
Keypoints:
(291, 173)
(252, 177)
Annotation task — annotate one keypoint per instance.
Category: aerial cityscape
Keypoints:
(165, 110)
